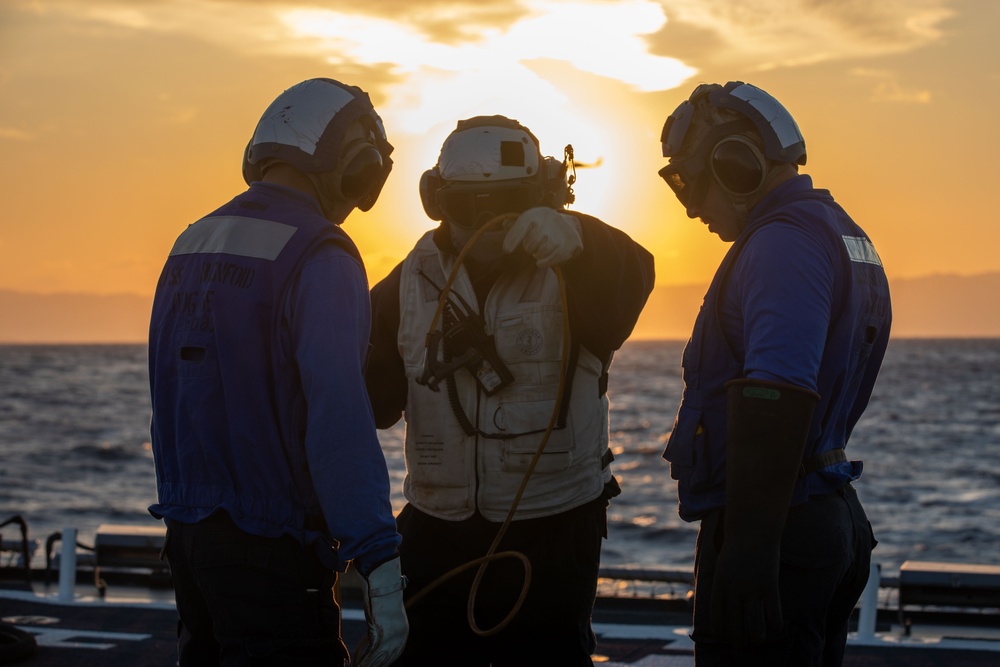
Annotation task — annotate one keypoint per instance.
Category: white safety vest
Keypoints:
(450, 474)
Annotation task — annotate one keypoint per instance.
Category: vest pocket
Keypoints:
(526, 423)
(685, 449)
(514, 461)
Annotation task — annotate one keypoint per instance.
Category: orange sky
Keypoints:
(124, 120)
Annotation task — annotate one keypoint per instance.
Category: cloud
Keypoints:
(15, 134)
(893, 24)
(424, 60)
(482, 65)
(889, 90)
(766, 34)
(424, 56)
(448, 21)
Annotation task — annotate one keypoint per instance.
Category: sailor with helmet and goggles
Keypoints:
(780, 366)
(469, 339)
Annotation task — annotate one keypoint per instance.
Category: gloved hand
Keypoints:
(549, 236)
(382, 594)
(745, 602)
(767, 428)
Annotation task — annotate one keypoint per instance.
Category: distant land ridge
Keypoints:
(936, 306)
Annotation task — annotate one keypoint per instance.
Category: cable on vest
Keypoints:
(492, 553)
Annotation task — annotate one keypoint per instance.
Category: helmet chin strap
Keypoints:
(740, 204)
(742, 208)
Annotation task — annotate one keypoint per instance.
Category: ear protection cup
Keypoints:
(738, 165)
(430, 183)
(357, 173)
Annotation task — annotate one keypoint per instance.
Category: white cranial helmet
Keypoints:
(485, 150)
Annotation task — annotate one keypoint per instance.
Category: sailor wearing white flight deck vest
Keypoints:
(479, 387)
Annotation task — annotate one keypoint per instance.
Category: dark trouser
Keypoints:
(825, 557)
(552, 629)
(249, 600)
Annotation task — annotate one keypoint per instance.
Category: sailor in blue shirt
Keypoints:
(780, 365)
(269, 472)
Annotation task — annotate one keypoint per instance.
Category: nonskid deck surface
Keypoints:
(631, 633)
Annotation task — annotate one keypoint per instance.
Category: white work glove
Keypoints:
(549, 236)
(382, 593)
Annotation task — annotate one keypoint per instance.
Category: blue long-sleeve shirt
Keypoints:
(345, 459)
(800, 298)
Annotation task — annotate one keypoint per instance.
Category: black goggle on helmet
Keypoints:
(305, 127)
(471, 206)
(735, 162)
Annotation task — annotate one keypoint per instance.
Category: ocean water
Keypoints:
(74, 449)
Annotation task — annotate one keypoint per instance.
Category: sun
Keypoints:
(542, 70)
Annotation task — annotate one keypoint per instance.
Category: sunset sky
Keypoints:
(122, 121)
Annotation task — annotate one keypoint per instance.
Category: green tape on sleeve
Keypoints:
(761, 392)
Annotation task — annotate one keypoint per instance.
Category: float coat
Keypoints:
(234, 432)
(450, 473)
(859, 325)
